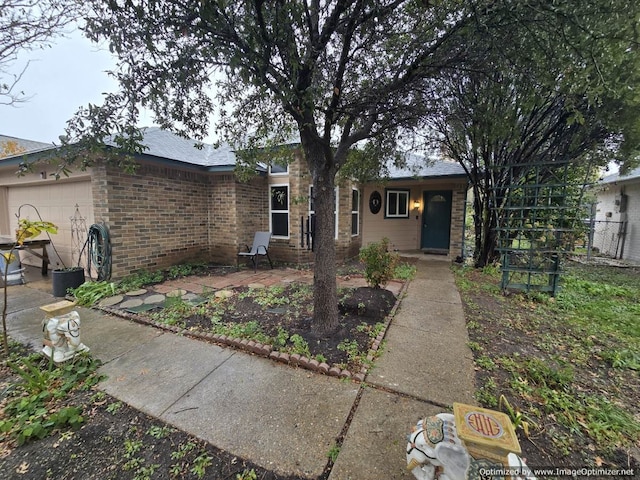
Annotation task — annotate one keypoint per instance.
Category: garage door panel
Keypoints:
(56, 202)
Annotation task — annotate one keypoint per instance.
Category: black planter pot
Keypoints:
(65, 279)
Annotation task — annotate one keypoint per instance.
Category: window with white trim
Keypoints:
(277, 169)
(279, 210)
(355, 212)
(397, 204)
(312, 210)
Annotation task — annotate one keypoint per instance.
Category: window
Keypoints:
(312, 210)
(355, 212)
(279, 210)
(278, 169)
(397, 205)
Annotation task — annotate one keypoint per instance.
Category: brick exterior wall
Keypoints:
(289, 250)
(162, 216)
(156, 217)
(458, 203)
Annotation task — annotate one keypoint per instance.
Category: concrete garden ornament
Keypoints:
(62, 337)
(473, 443)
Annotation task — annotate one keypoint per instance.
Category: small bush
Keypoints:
(379, 263)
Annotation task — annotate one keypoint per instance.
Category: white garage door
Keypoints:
(56, 202)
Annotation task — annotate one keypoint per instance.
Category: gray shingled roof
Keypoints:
(28, 146)
(164, 144)
(420, 167)
(616, 177)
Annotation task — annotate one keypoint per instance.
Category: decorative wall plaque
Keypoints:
(375, 202)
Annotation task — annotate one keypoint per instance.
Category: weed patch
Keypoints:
(567, 365)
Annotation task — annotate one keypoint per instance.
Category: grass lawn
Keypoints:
(565, 369)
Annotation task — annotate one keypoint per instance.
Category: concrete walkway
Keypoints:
(282, 418)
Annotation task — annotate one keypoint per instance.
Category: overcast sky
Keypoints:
(59, 79)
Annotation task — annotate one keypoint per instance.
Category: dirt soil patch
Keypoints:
(115, 442)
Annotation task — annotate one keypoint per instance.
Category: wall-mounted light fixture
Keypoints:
(43, 175)
(416, 204)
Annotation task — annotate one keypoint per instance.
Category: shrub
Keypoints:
(379, 263)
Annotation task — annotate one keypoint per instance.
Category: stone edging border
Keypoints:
(267, 351)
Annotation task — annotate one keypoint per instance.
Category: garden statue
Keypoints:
(62, 337)
(450, 447)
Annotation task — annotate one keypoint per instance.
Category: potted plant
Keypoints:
(65, 278)
(62, 279)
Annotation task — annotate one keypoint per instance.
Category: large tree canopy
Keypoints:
(563, 87)
(334, 72)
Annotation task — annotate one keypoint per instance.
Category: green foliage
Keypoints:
(140, 279)
(372, 330)
(379, 263)
(622, 358)
(487, 394)
(196, 465)
(251, 330)
(333, 452)
(485, 363)
(267, 297)
(89, 293)
(404, 271)
(159, 432)
(247, 475)
(174, 313)
(113, 407)
(37, 406)
(200, 465)
(299, 345)
(581, 353)
(186, 269)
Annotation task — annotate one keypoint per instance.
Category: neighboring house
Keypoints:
(184, 203)
(617, 220)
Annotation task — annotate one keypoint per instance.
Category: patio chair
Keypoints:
(259, 248)
(15, 273)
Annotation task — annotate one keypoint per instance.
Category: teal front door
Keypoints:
(436, 220)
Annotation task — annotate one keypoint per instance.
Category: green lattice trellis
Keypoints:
(537, 211)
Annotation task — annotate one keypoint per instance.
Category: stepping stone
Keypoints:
(136, 293)
(223, 294)
(256, 285)
(111, 301)
(151, 299)
(143, 308)
(189, 296)
(277, 310)
(134, 302)
(197, 301)
(177, 293)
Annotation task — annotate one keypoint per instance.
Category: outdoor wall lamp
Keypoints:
(416, 204)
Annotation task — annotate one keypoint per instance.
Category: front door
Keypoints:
(436, 220)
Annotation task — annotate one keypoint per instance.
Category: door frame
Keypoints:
(425, 193)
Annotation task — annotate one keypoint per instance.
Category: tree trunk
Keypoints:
(325, 294)
(485, 229)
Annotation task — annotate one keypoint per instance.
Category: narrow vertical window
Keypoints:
(355, 212)
(279, 210)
